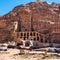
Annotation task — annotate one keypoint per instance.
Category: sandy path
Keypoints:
(12, 54)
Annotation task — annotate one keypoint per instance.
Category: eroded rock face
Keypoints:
(40, 17)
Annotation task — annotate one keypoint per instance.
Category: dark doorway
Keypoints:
(27, 43)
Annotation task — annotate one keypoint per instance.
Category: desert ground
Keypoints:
(13, 54)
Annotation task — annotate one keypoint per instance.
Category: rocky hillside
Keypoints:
(34, 12)
(41, 17)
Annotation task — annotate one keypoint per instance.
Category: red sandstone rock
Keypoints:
(40, 17)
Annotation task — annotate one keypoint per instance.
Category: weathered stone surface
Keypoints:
(40, 17)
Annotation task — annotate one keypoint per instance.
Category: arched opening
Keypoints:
(21, 34)
(30, 34)
(27, 43)
(41, 40)
(24, 34)
(38, 38)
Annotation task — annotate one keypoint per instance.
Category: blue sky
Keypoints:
(8, 5)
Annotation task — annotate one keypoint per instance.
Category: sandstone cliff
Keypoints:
(41, 17)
